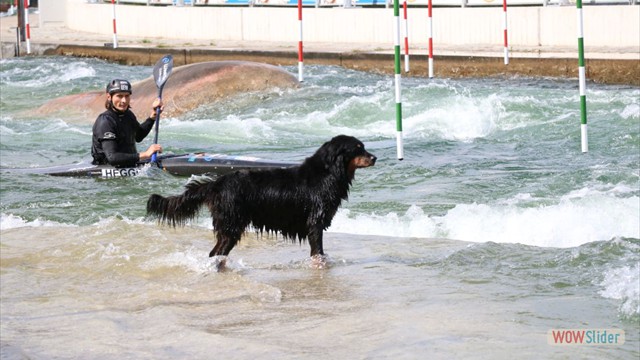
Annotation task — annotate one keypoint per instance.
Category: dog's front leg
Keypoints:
(315, 241)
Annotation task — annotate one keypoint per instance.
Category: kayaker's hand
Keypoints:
(157, 102)
(152, 149)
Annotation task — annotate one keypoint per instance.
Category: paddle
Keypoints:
(161, 72)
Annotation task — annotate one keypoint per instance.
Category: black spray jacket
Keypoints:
(114, 138)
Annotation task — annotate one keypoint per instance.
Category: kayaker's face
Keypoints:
(121, 100)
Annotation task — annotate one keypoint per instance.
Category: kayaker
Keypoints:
(116, 131)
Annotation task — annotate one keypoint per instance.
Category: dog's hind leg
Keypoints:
(222, 249)
(225, 243)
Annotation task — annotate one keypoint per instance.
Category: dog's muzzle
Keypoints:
(365, 160)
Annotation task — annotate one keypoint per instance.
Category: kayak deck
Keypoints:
(219, 164)
(179, 165)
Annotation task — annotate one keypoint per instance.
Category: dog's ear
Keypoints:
(336, 150)
(346, 147)
(327, 154)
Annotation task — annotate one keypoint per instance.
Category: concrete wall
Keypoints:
(52, 13)
(604, 26)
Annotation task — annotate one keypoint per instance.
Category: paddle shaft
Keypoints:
(161, 73)
(154, 157)
(158, 110)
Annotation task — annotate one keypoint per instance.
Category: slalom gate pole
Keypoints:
(406, 37)
(115, 34)
(27, 28)
(17, 42)
(396, 39)
(583, 81)
(300, 52)
(504, 26)
(430, 42)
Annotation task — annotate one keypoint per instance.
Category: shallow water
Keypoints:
(494, 230)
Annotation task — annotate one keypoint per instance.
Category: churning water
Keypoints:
(494, 230)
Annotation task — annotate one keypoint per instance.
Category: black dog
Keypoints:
(298, 202)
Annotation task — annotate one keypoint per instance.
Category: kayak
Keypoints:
(179, 165)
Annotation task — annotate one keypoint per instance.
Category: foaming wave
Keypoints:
(464, 119)
(631, 111)
(623, 284)
(566, 224)
(29, 128)
(193, 260)
(459, 118)
(232, 129)
(6, 131)
(571, 222)
(256, 130)
(49, 73)
(10, 221)
(414, 223)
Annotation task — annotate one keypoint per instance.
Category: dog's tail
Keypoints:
(178, 209)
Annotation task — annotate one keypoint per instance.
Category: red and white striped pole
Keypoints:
(115, 34)
(27, 28)
(300, 52)
(406, 37)
(430, 41)
(506, 39)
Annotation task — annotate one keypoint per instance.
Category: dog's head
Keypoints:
(347, 152)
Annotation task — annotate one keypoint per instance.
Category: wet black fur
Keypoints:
(298, 202)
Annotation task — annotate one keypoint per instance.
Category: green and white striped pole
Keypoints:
(583, 82)
(396, 28)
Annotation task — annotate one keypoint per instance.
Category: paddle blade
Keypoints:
(162, 70)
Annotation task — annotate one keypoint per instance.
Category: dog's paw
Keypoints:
(219, 263)
(318, 262)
